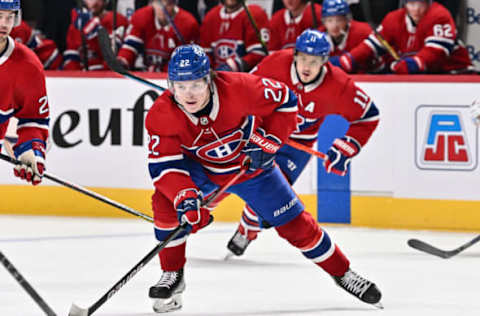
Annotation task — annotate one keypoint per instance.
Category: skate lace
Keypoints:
(168, 279)
(354, 283)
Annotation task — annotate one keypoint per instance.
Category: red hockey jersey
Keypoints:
(23, 93)
(74, 54)
(285, 29)
(231, 35)
(240, 103)
(356, 33)
(145, 35)
(334, 92)
(45, 49)
(433, 40)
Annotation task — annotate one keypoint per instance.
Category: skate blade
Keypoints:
(165, 305)
(379, 305)
(228, 256)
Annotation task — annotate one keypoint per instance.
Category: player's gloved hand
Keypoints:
(261, 150)
(83, 16)
(347, 62)
(475, 112)
(408, 65)
(91, 28)
(340, 154)
(32, 156)
(189, 210)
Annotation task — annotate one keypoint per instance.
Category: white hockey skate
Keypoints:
(167, 293)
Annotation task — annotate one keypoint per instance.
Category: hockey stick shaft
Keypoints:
(366, 7)
(306, 149)
(80, 6)
(83, 190)
(26, 286)
(114, 28)
(445, 254)
(78, 311)
(314, 14)
(254, 25)
(171, 22)
(114, 64)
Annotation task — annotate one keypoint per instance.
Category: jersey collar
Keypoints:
(9, 51)
(411, 27)
(224, 15)
(289, 20)
(311, 86)
(213, 113)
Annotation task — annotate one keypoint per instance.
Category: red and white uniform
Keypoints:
(45, 49)
(231, 36)
(23, 93)
(432, 43)
(285, 29)
(73, 55)
(334, 92)
(145, 35)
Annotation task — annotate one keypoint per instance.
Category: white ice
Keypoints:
(77, 260)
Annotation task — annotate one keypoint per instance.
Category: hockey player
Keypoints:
(200, 132)
(228, 37)
(343, 32)
(288, 23)
(23, 96)
(151, 35)
(46, 49)
(85, 24)
(322, 90)
(422, 33)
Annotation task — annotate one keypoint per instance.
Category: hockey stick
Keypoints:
(26, 286)
(314, 15)
(114, 64)
(114, 27)
(170, 21)
(83, 190)
(78, 311)
(255, 27)
(445, 254)
(366, 11)
(84, 40)
(306, 149)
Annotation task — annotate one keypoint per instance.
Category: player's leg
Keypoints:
(167, 292)
(276, 203)
(291, 162)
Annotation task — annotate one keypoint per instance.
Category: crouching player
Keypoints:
(201, 130)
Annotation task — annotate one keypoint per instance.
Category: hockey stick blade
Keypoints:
(114, 64)
(78, 311)
(445, 254)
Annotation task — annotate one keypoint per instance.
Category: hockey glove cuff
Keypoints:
(408, 65)
(347, 62)
(32, 156)
(340, 154)
(261, 150)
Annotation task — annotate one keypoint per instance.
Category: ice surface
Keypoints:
(77, 260)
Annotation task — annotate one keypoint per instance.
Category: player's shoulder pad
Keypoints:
(212, 13)
(256, 10)
(437, 14)
(280, 58)
(361, 26)
(337, 75)
(394, 17)
(278, 16)
(31, 65)
(164, 117)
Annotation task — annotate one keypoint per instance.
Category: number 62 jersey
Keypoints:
(216, 136)
(333, 92)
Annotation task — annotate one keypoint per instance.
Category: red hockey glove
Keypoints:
(187, 203)
(408, 65)
(261, 149)
(340, 154)
(32, 156)
(347, 63)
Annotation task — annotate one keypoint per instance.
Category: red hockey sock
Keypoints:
(173, 258)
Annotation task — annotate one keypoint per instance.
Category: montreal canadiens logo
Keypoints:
(226, 150)
(225, 49)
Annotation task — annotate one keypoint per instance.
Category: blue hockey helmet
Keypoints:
(188, 62)
(313, 42)
(335, 7)
(12, 5)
